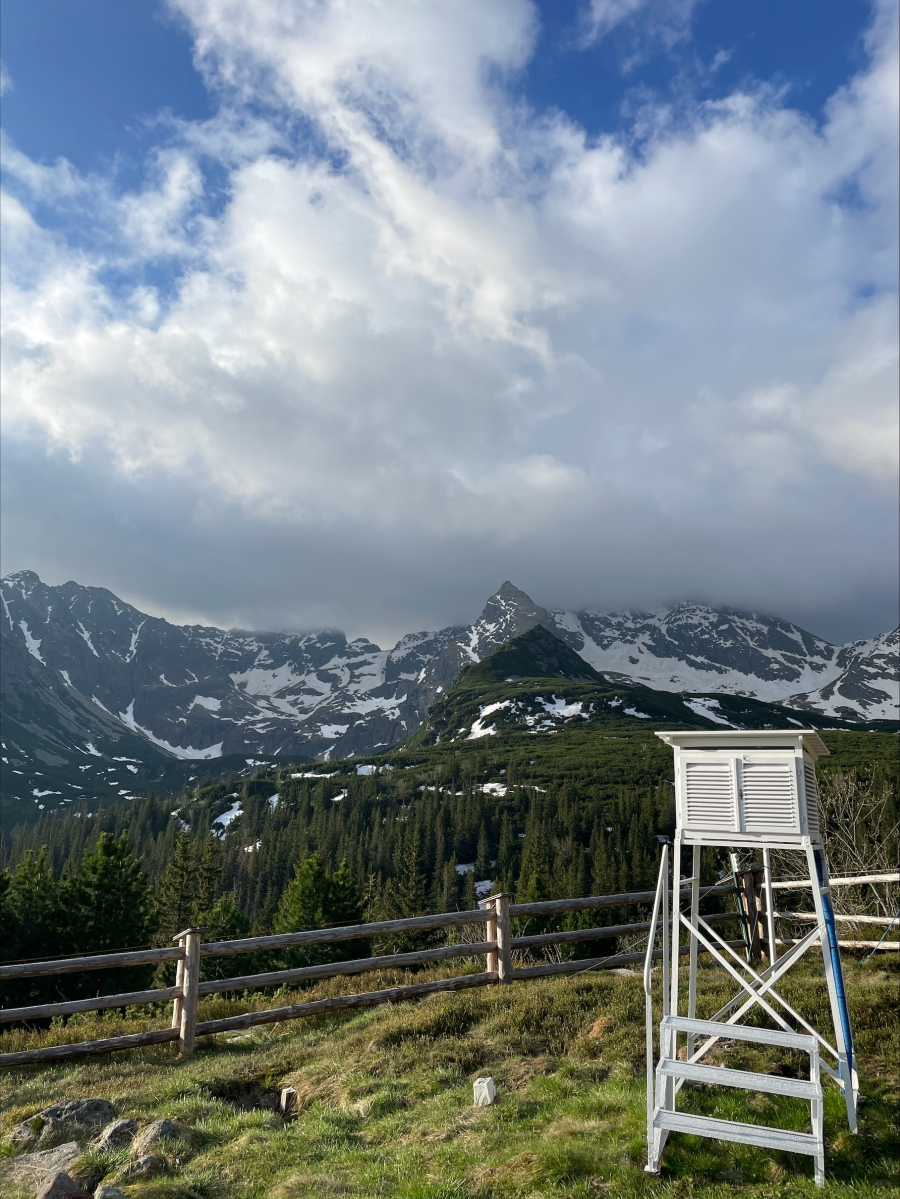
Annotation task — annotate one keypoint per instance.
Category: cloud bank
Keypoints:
(382, 322)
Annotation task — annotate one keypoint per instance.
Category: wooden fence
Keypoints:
(498, 946)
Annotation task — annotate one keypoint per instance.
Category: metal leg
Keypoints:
(770, 908)
(849, 1078)
(692, 976)
(818, 1120)
(659, 1138)
(652, 1166)
(672, 1046)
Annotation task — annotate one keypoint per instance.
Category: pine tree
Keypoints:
(304, 899)
(208, 874)
(316, 899)
(225, 921)
(178, 889)
(412, 885)
(483, 854)
(449, 890)
(344, 905)
(470, 900)
(31, 925)
(507, 853)
(109, 908)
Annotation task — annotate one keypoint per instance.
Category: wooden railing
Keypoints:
(496, 913)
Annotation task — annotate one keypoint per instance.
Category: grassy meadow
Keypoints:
(385, 1097)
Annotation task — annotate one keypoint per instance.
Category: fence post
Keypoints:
(504, 937)
(490, 932)
(178, 1001)
(189, 940)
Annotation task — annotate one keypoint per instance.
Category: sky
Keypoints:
(330, 313)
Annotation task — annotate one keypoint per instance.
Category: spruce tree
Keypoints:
(316, 899)
(31, 925)
(208, 874)
(109, 908)
(225, 921)
(483, 854)
(178, 889)
(449, 891)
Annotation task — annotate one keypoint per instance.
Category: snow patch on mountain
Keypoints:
(708, 708)
(33, 645)
(135, 637)
(560, 707)
(87, 637)
(177, 751)
(479, 729)
(259, 681)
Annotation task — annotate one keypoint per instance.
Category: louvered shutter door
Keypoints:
(812, 798)
(709, 796)
(768, 793)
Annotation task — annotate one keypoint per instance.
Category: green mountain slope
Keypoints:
(534, 684)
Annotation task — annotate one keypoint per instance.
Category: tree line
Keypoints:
(278, 851)
(325, 851)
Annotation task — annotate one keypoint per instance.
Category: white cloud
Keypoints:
(666, 20)
(6, 83)
(426, 311)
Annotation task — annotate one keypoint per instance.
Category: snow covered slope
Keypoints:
(199, 693)
(867, 684)
(695, 648)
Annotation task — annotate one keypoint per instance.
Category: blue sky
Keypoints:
(599, 295)
(90, 74)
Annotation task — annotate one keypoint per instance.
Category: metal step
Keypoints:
(720, 1076)
(730, 1130)
(740, 1032)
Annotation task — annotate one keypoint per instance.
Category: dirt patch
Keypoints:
(600, 1027)
(516, 1075)
(247, 1094)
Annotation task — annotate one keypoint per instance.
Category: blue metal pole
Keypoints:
(831, 929)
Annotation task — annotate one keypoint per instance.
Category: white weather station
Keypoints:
(749, 793)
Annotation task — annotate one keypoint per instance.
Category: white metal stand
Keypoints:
(667, 1074)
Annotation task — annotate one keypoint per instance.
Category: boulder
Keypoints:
(35, 1168)
(117, 1135)
(484, 1092)
(87, 1113)
(60, 1186)
(25, 1135)
(159, 1130)
(105, 1191)
(141, 1167)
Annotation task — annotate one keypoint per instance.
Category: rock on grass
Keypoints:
(36, 1168)
(117, 1135)
(60, 1186)
(159, 1130)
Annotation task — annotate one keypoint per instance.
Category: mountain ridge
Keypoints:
(197, 694)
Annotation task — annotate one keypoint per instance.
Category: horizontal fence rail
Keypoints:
(850, 880)
(388, 961)
(348, 932)
(498, 945)
(137, 957)
(100, 1003)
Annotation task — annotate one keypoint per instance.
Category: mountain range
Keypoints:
(93, 684)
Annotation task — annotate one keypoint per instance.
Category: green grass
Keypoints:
(386, 1098)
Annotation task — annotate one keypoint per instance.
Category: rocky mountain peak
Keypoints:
(508, 613)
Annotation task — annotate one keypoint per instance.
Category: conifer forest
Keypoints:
(426, 828)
